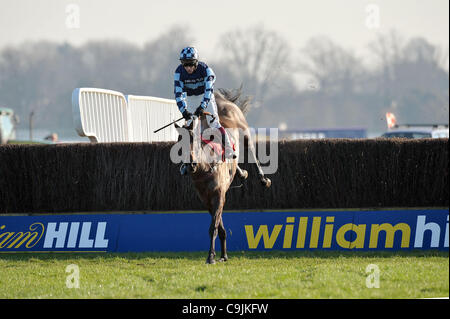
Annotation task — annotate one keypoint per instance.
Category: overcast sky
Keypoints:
(352, 23)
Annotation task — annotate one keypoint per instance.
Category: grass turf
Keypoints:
(275, 274)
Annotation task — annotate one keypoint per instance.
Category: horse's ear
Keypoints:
(177, 126)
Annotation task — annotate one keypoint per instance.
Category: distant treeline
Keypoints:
(320, 84)
(330, 173)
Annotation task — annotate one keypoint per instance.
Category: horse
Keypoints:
(212, 179)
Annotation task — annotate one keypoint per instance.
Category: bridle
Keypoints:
(197, 149)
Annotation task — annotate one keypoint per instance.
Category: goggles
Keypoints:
(189, 63)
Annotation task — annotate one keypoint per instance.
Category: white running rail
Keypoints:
(101, 115)
(147, 114)
(108, 116)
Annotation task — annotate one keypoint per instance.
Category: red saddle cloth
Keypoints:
(216, 147)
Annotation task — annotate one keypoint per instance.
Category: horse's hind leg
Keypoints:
(264, 180)
(241, 172)
(223, 241)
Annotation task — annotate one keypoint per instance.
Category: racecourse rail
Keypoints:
(110, 116)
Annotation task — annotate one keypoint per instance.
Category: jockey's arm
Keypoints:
(180, 96)
(209, 87)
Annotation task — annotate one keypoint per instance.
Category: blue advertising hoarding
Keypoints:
(275, 230)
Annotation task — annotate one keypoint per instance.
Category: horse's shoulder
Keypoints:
(223, 105)
(230, 114)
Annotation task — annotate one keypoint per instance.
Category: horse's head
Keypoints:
(188, 134)
(201, 156)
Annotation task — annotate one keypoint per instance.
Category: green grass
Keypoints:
(417, 274)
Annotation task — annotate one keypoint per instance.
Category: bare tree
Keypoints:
(334, 68)
(411, 77)
(258, 57)
(159, 60)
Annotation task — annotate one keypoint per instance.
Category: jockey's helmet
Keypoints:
(189, 55)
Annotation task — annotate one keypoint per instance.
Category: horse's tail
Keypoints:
(235, 96)
(244, 104)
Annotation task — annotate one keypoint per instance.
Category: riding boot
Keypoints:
(183, 169)
(226, 143)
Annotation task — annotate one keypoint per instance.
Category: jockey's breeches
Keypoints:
(193, 102)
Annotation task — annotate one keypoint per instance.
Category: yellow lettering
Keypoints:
(328, 232)
(18, 236)
(315, 232)
(301, 232)
(288, 231)
(390, 232)
(17, 239)
(33, 227)
(5, 240)
(269, 241)
(360, 231)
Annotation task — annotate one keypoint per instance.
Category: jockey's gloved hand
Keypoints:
(187, 115)
(199, 111)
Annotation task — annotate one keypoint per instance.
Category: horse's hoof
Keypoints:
(266, 182)
(244, 174)
(223, 259)
(210, 261)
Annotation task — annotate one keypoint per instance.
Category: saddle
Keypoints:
(217, 148)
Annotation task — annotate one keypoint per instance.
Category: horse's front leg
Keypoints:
(212, 235)
(223, 241)
(216, 213)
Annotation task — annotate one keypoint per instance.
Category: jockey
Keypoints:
(194, 94)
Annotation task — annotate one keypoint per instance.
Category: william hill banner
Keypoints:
(285, 230)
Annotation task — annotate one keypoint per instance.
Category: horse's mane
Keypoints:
(235, 96)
